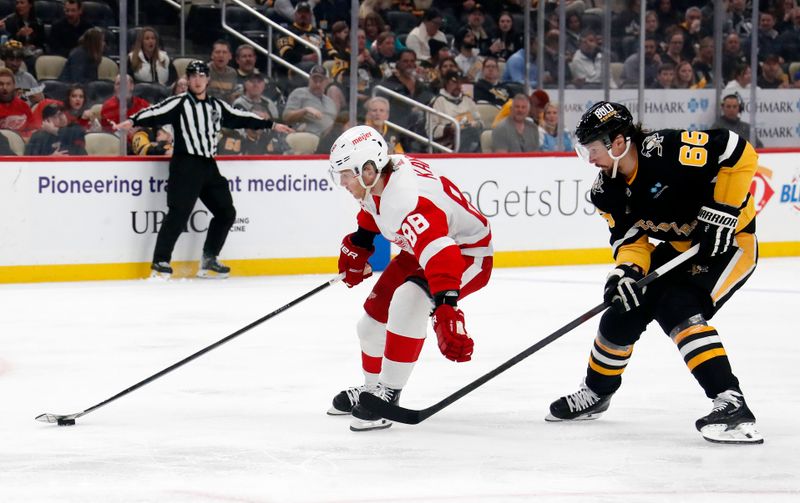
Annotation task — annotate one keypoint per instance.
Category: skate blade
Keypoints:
(333, 411)
(360, 425)
(586, 417)
(745, 433)
(206, 274)
(160, 275)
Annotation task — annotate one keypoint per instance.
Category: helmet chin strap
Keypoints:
(616, 159)
(369, 187)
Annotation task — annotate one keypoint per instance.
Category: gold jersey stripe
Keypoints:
(733, 183)
(741, 265)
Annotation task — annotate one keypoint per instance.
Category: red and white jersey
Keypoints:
(427, 215)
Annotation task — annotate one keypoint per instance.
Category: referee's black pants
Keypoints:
(192, 177)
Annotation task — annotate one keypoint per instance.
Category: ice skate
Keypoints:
(582, 405)
(345, 400)
(160, 270)
(730, 421)
(211, 268)
(364, 420)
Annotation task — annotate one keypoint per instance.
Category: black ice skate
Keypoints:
(730, 421)
(345, 400)
(211, 268)
(160, 270)
(579, 406)
(364, 420)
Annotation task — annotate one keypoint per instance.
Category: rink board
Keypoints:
(97, 218)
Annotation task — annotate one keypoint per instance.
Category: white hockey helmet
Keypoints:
(353, 149)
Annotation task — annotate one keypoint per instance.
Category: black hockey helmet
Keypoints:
(197, 66)
(604, 121)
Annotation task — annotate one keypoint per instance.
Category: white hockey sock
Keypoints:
(406, 330)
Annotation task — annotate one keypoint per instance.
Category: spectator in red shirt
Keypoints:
(37, 101)
(76, 110)
(15, 114)
(110, 112)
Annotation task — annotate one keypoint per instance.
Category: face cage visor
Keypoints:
(342, 176)
(587, 152)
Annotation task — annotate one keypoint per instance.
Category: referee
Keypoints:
(196, 119)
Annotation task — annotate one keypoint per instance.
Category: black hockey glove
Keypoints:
(621, 290)
(716, 225)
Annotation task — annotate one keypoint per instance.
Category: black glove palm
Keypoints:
(621, 290)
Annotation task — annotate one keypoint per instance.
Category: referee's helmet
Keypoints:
(197, 66)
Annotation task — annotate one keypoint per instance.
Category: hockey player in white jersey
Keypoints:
(446, 254)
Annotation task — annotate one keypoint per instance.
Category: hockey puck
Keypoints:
(66, 422)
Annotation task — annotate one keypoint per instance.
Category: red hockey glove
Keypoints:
(353, 262)
(716, 225)
(448, 323)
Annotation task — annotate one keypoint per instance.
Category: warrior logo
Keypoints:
(651, 143)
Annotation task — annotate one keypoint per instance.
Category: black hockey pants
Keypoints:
(192, 177)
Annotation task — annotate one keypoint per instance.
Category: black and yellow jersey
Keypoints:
(677, 173)
(293, 51)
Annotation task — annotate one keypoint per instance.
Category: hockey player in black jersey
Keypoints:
(677, 187)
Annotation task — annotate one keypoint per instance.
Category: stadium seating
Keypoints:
(102, 144)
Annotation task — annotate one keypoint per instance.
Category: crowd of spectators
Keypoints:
(457, 57)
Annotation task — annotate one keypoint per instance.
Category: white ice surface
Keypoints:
(246, 422)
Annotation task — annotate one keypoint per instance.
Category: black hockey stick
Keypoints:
(411, 416)
(69, 419)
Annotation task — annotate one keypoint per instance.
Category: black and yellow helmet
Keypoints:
(604, 121)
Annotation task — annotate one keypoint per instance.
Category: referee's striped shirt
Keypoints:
(196, 122)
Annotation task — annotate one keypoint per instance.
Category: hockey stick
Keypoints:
(69, 419)
(411, 416)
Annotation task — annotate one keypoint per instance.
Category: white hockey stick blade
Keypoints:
(745, 433)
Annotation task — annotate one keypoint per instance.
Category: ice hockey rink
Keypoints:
(246, 422)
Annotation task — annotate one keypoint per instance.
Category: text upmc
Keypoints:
(790, 193)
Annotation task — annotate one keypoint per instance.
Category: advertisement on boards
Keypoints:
(109, 212)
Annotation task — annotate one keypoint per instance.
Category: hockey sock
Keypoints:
(705, 356)
(607, 362)
(372, 336)
(406, 329)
